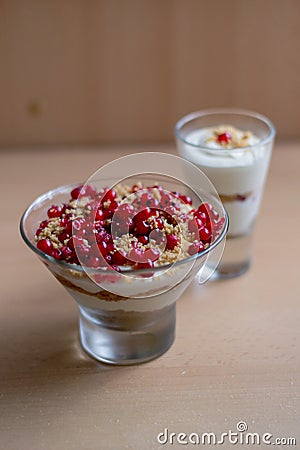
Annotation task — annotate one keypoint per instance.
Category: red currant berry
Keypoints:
(103, 247)
(143, 239)
(109, 195)
(145, 200)
(64, 221)
(224, 138)
(54, 211)
(193, 248)
(158, 236)
(142, 227)
(172, 241)
(186, 199)
(125, 211)
(103, 236)
(194, 225)
(206, 208)
(64, 236)
(66, 252)
(93, 261)
(156, 223)
(144, 214)
(119, 258)
(135, 255)
(56, 253)
(171, 212)
(204, 234)
(201, 216)
(218, 224)
(45, 246)
(75, 241)
(83, 190)
(76, 192)
(38, 231)
(145, 265)
(151, 254)
(44, 224)
(135, 188)
(201, 247)
(165, 200)
(99, 214)
(108, 259)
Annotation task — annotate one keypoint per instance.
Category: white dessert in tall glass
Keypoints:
(233, 149)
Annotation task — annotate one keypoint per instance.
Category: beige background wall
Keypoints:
(123, 71)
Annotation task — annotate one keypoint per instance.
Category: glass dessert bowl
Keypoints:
(126, 288)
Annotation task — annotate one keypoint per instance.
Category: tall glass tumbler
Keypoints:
(238, 173)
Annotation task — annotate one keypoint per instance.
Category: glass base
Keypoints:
(236, 259)
(126, 337)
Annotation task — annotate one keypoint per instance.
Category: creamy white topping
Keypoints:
(233, 171)
(228, 137)
(225, 156)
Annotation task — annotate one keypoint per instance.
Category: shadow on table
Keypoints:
(42, 347)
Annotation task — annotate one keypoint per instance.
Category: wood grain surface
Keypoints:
(115, 71)
(236, 354)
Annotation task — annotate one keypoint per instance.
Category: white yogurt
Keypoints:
(236, 171)
(143, 294)
(129, 305)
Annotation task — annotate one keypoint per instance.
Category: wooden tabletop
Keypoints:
(235, 358)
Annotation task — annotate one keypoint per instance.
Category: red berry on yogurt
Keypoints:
(224, 138)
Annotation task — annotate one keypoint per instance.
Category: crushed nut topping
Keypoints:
(154, 227)
(230, 137)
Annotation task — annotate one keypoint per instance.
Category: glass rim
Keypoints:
(213, 111)
(105, 270)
